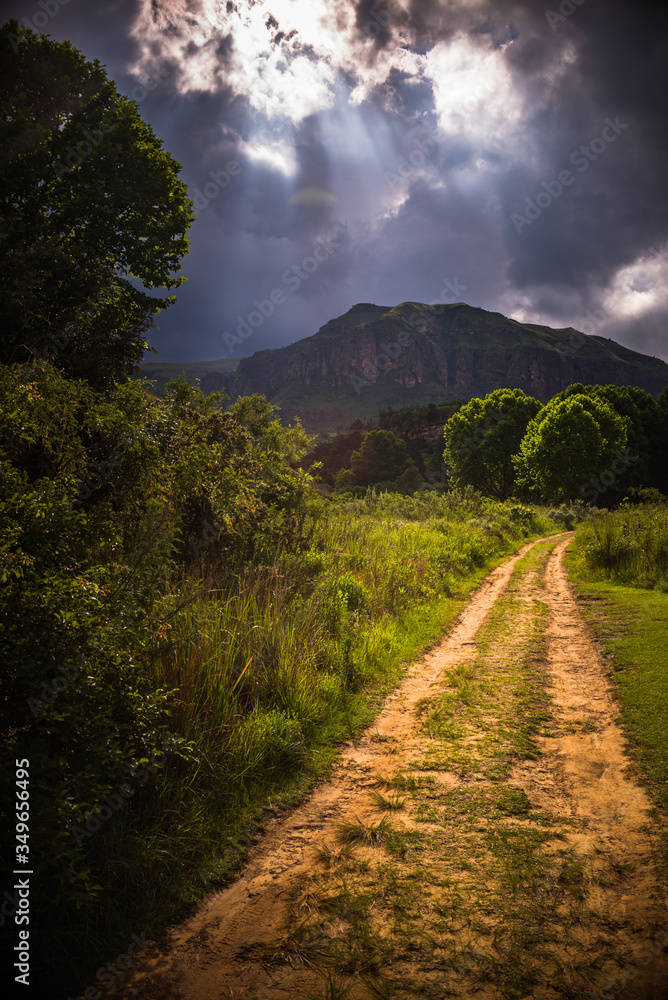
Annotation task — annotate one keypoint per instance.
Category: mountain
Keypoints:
(376, 357)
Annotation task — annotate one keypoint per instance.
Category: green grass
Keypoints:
(389, 803)
(632, 626)
(363, 833)
(627, 546)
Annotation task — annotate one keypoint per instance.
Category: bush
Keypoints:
(569, 514)
(108, 502)
(270, 741)
(629, 545)
(353, 592)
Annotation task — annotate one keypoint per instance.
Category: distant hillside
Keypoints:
(375, 357)
(162, 371)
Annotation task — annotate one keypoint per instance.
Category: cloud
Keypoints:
(312, 196)
(514, 99)
(423, 127)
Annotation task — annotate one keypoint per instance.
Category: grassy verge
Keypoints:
(268, 675)
(629, 545)
(631, 623)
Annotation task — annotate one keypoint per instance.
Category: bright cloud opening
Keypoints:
(474, 92)
(640, 287)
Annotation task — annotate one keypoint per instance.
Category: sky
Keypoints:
(506, 153)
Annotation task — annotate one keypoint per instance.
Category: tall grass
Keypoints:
(629, 545)
(268, 671)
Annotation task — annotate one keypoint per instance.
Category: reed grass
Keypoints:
(629, 545)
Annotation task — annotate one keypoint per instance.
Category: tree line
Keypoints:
(590, 443)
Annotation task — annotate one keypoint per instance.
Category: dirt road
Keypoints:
(484, 838)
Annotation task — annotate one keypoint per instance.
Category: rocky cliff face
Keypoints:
(375, 356)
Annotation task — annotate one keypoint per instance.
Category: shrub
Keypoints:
(353, 592)
(629, 545)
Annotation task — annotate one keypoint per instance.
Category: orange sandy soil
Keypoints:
(487, 837)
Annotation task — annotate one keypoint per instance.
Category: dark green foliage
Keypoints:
(382, 458)
(409, 421)
(409, 424)
(336, 453)
(421, 427)
(410, 480)
(482, 438)
(570, 443)
(108, 502)
(592, 444)
(662, 401)
(88, 201)
(647, 437)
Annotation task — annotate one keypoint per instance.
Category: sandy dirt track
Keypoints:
(226, 949)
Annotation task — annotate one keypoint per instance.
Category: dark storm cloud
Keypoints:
(374, 19)
(648, 337)
(616, 205)
(403, 94)
(448, 217)
(618, 71)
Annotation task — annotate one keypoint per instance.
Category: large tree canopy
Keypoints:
(92, 212)
(569, 446)
(482, 437)
(645, 430)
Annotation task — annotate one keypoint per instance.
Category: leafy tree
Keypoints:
(410, 480)
(410, 420)
(274, 441)
(92, 212)
(482, 438)
(277, 485)
(662, 401)
(647, 440)
(568, 446)
(344, 479)
(382, 458)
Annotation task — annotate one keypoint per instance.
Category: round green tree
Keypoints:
(92, 213)
(570, 443)
(482, 438)
(646, 439)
